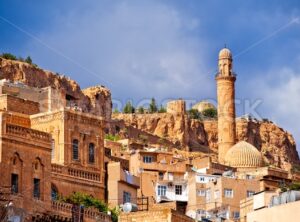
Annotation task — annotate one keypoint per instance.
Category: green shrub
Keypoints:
(153, 106)
(210, 113)
(9, 56)
(194, 114)
(89, 201)
(112, 137)
(162, 109)
(128, 108)
(28, 60)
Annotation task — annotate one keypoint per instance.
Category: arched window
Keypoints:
(54, 192)
(75, 149)
(91, 153)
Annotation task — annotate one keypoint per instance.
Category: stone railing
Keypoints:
(90, 214)
(55, 168)
(84, 174)
(27, 133)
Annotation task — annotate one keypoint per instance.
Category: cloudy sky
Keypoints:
(166, 48)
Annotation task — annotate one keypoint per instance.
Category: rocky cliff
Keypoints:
(96, 100)
(277, 146)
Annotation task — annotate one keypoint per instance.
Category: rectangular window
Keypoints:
(178, 189)
(250, 193)
(236, 215)
(161, 190)
(161, 175)
(228, 193)
(201, 179)
(148, 159)
(36, 188)
(201, 193)
(126, 197)
(14, 183)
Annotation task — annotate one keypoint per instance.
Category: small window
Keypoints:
(14, 183)
(91, 153)
(250, 193)
(126, 197)
(148, 159)
(54, 193)
(201, 179)
(236, 215)
(75, 149)
(161, 190)
(161, 175)
(36, 188)
(228, 193)
(178, 189)
(201, 192)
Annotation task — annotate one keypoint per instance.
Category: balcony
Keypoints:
(73, 172)
(90, 214)
(130, 179)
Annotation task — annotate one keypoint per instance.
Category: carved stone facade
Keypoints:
(226, 105)
(77, 151)
(47, 148)
(25, 163)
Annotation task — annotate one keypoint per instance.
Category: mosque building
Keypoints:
(241, 154)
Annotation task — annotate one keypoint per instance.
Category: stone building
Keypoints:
(25, 159)
(176, 107)
(226, 105)
(122, 186)
(77, 151)
(48, 148)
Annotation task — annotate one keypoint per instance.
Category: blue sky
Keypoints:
(166, 48)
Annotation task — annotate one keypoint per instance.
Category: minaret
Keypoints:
(226, 107)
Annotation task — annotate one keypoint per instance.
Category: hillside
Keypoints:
(277, 146)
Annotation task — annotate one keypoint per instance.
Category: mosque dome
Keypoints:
(243, 155)
(225, 54)
(203, 105)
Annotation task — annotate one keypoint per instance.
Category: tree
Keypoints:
(152, 106)
(210, 113)
(141, 110)
(9, 56)
(194, 114)
(28, 60)
(162, 109)
(89, 201)
(116, 110)
(128, 108)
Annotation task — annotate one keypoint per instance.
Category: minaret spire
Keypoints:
(225, 79)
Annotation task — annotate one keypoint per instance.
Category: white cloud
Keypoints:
(137, 49)
(280, 91)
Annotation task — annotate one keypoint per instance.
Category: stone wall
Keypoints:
(15, 104)
(157, 215)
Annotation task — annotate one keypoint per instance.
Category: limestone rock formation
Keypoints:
(96, 100)
(277, 146)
